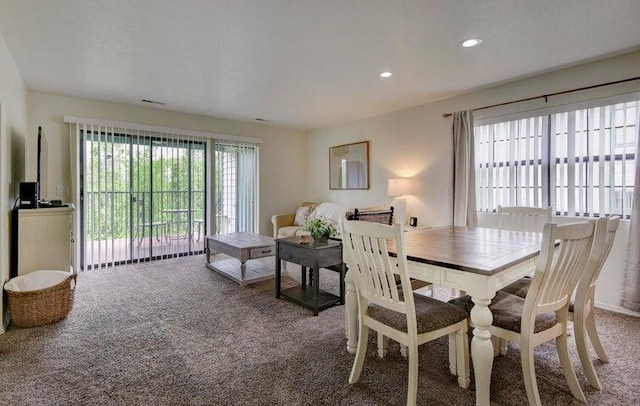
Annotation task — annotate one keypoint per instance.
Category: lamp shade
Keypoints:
(399, 187)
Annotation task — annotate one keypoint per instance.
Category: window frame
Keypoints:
(584, 164)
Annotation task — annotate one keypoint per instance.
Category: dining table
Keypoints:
(478, 261)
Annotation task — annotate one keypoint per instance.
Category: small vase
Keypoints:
(321, 238)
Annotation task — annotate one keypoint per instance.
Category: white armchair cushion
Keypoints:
(288, 231)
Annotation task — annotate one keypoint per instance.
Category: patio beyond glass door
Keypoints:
(142, 197)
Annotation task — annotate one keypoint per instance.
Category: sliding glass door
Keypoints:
(142, 196)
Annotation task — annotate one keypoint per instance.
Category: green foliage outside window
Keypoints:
(130, 181)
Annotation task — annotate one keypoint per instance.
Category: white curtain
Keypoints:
(631, 286)
(464, 178)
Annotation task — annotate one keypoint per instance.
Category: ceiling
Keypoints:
(301, 64)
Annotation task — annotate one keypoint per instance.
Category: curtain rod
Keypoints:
(546, 96)
(143, 127)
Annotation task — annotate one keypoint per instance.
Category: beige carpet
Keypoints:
(176, 333)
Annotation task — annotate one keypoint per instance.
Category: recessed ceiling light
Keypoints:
(471, 42)
(386, 75)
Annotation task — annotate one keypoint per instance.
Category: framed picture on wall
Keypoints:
(349, 166)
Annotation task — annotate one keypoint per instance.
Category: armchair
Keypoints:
(284, 224)
(287, 225)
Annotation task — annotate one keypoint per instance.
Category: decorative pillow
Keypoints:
(329, 211)
(302, 216)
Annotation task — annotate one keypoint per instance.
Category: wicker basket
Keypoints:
(43, 306)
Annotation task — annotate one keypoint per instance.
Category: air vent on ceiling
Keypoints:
(152, 102)
(262, 119)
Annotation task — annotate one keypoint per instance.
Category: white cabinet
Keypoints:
(44, 239)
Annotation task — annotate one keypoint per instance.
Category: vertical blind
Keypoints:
(509, 163)
(581, 162)
(594, 160)
(236, 185)
(142, 194)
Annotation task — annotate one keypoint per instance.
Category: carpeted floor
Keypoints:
(176, 333)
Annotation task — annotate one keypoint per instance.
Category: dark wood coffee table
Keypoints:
(243, 247)
(312, 256)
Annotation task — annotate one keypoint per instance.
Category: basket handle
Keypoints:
(75, 282)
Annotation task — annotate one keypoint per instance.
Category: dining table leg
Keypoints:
(351, 314)
(482, 348)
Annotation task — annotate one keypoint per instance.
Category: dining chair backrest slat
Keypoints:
(521, 218)
(372, 268)
(559, 268)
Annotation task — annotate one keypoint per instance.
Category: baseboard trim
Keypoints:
(616, 309)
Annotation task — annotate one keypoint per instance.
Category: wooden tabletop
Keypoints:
(243, 240)
(479, 250)
(331, 243)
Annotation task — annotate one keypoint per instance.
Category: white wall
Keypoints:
(416, 143)
(12, 147)
(409, 143)
(282, 153)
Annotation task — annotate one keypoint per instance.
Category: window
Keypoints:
(581, 162)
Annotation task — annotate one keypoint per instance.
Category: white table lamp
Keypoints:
(398, 188)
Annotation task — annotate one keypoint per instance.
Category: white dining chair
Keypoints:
(521, 218)
(581, 312)
(408, 318)
(581, 309)
(543, 315)
(383, 215)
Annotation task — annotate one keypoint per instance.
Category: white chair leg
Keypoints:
(595, 339)
(529, 374)
(346, 324)
(567, 368)
(412, 392)
(500, 346)
(495, 341)
(403, 350)
(363, 335)
(452, 354)
(583, 351)
(383, 343)
(462, 357)
(504, 346)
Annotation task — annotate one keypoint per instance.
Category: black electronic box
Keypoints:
(29, 195)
